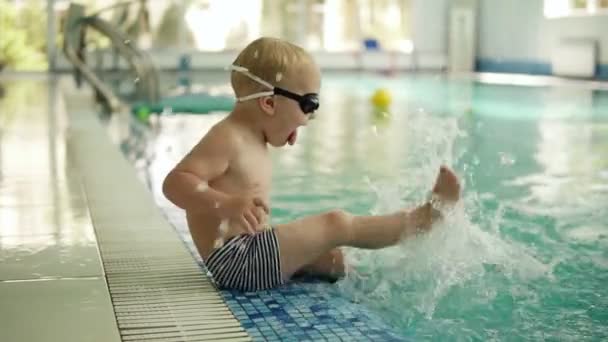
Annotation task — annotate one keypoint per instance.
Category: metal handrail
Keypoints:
(114, 6)
(138, 60)
(147, 84)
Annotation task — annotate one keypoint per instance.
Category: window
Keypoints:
(575, 8)
(227, 25)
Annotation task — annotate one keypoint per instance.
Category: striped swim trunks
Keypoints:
(247, 262)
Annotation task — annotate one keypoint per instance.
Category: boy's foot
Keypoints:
(447, 188)
(445, 192)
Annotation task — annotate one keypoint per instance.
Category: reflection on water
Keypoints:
(523, 257)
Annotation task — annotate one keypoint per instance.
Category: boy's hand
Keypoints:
(245, 211)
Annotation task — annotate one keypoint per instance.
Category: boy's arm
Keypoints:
(187, 184)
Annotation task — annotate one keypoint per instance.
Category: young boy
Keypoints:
(223, 183)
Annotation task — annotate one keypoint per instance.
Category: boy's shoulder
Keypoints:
(224, 130)
(223, 135)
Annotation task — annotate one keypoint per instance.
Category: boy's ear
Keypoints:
(267, 104)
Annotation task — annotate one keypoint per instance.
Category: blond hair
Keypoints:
(271, 59)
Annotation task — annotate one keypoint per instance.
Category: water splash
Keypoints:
(222, 229)
(420, 273)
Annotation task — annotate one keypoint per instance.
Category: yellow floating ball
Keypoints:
(381, 98)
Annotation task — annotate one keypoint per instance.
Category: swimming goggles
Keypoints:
(308, 102)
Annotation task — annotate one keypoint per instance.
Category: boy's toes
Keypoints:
(447, 187)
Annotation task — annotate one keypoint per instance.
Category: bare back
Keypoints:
(249, 171)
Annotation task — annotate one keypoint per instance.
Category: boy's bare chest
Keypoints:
(252, 171)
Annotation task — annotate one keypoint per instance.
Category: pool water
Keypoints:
(524, 255)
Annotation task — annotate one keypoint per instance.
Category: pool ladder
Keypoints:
(146, 81)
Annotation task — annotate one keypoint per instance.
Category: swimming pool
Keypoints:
(525, 256)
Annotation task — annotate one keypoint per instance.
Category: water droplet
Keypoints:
(223, 227)
(506, 158)
(136, 80)
(202, 186)
(127, 41)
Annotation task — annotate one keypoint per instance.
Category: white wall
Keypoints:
(509, 29)
(516, 30)
(581, 27)
(429, 31)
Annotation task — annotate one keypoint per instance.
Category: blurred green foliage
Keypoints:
(23, 35)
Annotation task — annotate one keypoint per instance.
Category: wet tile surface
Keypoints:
(19, 191)
(45, 225)
(56, 310)
(51, 281)
(61, 255)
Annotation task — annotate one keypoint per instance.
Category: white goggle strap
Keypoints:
(255, 96)
(247, 73)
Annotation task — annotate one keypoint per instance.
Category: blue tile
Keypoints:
(533, 67)
(290, 339)
(307, 310)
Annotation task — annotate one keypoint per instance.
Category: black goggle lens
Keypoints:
(309, 103)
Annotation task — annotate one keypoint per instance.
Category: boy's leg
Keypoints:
(303, 241)
(330, 265)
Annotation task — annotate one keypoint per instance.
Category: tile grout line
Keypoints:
(51, 279)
